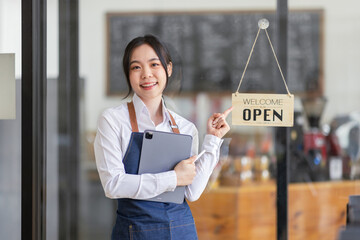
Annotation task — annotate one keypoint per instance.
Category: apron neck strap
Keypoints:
(132, 114)
(133, 121)
(173, 124)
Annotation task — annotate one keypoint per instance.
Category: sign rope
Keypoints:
(263, 24)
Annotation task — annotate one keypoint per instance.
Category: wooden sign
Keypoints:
(263, 109)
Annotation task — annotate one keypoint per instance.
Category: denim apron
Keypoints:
(147, 220)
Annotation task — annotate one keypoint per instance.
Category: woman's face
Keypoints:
(147, 75)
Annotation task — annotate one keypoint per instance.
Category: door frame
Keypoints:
(33, 119)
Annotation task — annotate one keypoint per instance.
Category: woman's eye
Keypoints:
(155, 64)
(135, 67)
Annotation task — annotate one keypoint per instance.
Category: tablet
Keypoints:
(160, 152)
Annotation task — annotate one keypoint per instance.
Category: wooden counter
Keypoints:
(316, 211)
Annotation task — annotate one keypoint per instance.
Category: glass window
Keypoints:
(10, 129)
(210, 44)
(325, 154)
(52, 115)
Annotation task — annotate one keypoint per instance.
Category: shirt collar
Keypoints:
(139, 105)
(140, 108)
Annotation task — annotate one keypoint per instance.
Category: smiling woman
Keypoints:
(147, 66)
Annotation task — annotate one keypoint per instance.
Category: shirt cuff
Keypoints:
(212, 143)
(168, 181)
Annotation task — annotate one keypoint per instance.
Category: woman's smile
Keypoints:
(148, 85)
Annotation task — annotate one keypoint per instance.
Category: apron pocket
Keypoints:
(149, 231)
(183, 229)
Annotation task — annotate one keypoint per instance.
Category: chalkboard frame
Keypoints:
(317, 91)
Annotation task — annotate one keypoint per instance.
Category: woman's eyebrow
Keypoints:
(134, 61)
(150, 60)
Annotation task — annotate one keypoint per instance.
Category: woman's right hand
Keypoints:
(185, 171)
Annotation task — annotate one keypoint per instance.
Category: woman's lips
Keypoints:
(148, 86)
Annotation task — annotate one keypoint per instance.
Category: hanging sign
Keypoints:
(263, 109)
(7, 86)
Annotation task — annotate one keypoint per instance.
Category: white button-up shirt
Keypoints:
(112, 139)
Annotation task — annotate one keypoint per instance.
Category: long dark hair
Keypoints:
(160, 49)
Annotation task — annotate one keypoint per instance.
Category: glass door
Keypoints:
(210, 45)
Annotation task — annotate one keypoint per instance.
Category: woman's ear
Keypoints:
(169, 69)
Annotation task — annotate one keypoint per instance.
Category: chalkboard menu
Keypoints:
(210, 50)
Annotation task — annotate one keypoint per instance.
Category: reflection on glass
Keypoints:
(10, 173)
(240, 200)
(10, 129)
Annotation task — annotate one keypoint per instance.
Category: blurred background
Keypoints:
(210, 42)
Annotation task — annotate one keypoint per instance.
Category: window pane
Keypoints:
(52, 167)
(207, 70)
(10, 130)
(210, 49)
(325, 141)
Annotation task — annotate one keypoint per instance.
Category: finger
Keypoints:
(222, 115)
(192, 159)
(215, 116)
(228, 111)
(221, 122)
(220, 125)
(216, 120)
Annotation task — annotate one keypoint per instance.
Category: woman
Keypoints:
(147, 66)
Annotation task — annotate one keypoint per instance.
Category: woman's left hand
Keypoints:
(217, 124)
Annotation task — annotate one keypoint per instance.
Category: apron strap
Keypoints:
(132, 115)
(173, 124)
(134, 125)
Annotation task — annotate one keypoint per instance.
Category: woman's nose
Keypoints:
(146, 72)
